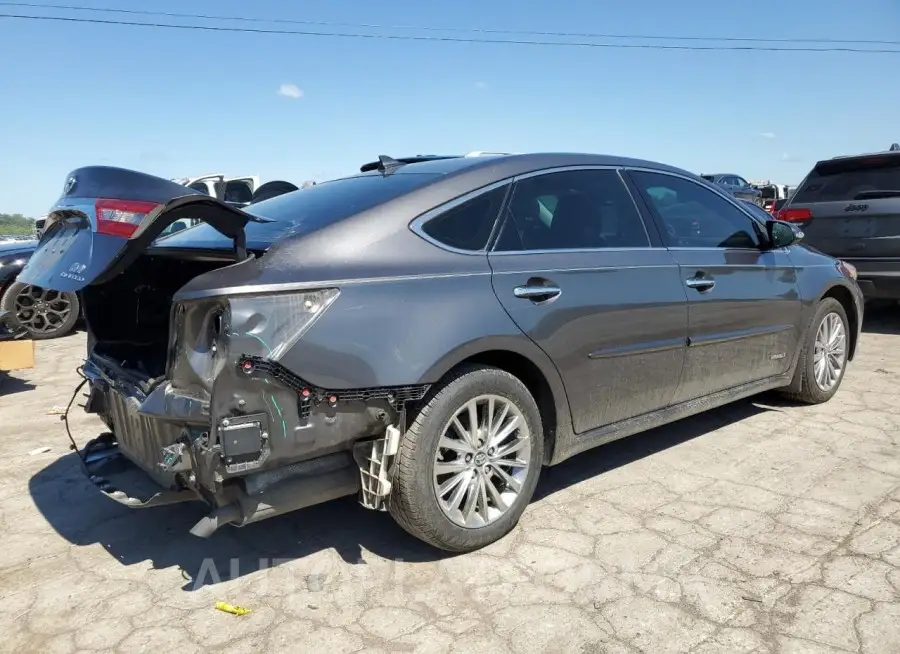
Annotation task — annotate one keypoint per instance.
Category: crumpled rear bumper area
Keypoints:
(121, 480)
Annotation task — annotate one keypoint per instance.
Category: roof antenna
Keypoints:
(388, 164)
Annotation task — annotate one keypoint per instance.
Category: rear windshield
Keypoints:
(843, 181)
(309, 209)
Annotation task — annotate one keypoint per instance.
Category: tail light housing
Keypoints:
(790, 215)
(122, 218)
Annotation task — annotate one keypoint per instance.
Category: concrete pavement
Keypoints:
(758, 527)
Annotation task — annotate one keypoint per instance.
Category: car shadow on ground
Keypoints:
(10, 385)
(83, 516)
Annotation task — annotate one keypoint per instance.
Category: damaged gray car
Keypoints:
(426, 334)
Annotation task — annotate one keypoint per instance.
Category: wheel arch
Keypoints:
(528, 363)
(844, 296)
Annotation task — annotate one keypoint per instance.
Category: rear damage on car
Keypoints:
(193, 386)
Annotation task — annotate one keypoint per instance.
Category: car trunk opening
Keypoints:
(128, 317)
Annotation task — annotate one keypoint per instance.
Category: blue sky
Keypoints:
(176, 103)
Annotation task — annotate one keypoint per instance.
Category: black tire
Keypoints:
(413, 500)
(8, 303)
(804, 387)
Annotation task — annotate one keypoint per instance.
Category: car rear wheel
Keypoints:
(823, 359)
(43, 313)
(469, 463)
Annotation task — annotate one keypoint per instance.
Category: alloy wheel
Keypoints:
(482, 461)
(831, 351)
(42, 311)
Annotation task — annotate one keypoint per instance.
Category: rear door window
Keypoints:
(837, 181)
(572, 210)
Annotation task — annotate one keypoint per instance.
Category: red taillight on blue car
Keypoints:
(122, 217)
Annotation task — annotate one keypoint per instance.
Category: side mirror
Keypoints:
(782, 234)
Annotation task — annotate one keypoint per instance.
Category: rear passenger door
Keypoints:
(577, 269)
(743, 299)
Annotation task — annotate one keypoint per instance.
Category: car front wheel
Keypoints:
(469, 463)
(823, 360)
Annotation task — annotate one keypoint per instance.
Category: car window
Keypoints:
(694, 216)
(844, 181)
(305, 211)
(468, 226)
(769, 192)
(238, 191)
(200, 186)
(576, 209)
(740, 181)
(758, 211)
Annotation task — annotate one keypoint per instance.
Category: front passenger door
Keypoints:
(743, 299)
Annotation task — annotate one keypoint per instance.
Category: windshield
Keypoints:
(307, 210)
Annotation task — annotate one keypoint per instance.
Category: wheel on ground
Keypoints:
(42, 312)
(469, 463)
(823, 359)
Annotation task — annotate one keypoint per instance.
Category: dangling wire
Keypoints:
(65, 416)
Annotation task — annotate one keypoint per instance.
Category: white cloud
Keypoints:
(767, 135)
(787, 156)
(481, 85)
(290, 91)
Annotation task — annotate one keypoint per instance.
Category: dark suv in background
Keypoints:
(849, 207)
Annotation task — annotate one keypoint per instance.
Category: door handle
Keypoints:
(537, 293)
(701, 283)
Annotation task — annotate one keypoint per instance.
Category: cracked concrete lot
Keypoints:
(758, 527)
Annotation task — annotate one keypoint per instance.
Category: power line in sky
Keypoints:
(451, 39)
(470, 30)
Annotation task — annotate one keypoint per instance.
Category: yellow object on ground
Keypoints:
(228, 608)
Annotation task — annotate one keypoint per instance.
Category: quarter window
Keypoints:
(576, 209)
(467, 226)
(695, 217)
